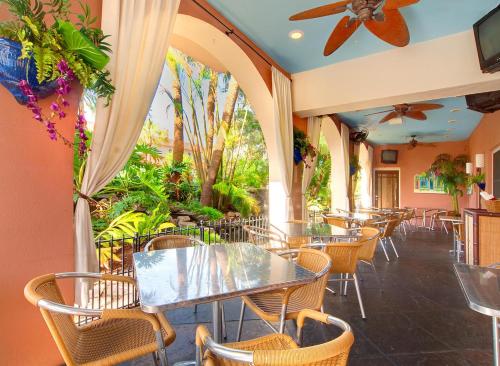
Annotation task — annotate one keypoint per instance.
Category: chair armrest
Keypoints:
(321, 317)
(203, 339)
(132, 314)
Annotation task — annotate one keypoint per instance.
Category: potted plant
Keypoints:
(302, 148)
(478, 179)
(451, 172)
(38, 59)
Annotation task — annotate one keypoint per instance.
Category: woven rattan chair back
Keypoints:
(313, 293)
(369, 241)
(344, 256)
(336, 221)
(389, 228)
(280, 349)
(61, 326)
(170, 242)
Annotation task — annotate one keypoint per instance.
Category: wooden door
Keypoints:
(386, 190)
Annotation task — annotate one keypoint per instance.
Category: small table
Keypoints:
(173, 278)
(318, 230)
(481, 288)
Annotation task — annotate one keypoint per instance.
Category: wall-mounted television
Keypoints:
(389, 156)
(487, 31)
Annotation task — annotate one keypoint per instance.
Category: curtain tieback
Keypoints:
(84, 196)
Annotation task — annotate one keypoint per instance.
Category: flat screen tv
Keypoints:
(389, 156)
(487, 33)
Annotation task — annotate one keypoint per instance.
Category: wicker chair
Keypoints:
(266, 239)
(387, 231)
(117, 335)
(277, 349)
(344, 258)
(285, 304)
(366, 254)
(337, 221)
(171, 242)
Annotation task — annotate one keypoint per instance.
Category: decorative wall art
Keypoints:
(424, 183)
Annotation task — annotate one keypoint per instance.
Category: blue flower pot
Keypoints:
(482, 186)
(352, 169)
(297, 156)
(13, 70)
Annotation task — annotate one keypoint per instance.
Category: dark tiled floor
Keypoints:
(419, 317)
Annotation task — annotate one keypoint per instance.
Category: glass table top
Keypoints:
(481, 287)
(171, 278)
(360, 216)
(314, 230)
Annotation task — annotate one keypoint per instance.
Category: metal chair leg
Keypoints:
(346, 282)
(358, 292)
(283, 319)
(155, 358)
(341, 283)
(240, 323)
(195, 309)
(383, 248)
(224, 331)
(162, 354)
(394, 247)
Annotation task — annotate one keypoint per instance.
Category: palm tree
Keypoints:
(451, 172)
(176, 96)
(218, 150)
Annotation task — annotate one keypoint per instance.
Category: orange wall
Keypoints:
(484, 140)
(416, 161)
(36, 223)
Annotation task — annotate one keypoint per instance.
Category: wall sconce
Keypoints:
(480, 161)
(468, 168)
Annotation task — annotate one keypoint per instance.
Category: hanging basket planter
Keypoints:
(297, 156)
(13, 70)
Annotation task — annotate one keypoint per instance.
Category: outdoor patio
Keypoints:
(420, 317)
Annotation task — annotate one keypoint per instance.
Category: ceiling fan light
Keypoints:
(396, 121)
(296, 34)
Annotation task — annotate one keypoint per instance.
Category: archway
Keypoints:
(211, 41)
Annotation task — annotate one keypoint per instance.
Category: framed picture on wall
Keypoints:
(424, 183)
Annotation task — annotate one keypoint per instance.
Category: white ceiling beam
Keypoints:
(439, 68)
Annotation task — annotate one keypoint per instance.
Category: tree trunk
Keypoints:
(211, 100)
(227, 118)
(178, 144)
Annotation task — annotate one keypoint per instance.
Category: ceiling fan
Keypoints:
(381, 17)
(359, 136)
(413, 111)
(413, 143)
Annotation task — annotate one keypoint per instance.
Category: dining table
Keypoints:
(359, 218)
(175, 278)
(316, 231)
(481, 288)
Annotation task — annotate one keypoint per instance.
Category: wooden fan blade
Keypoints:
(322, 11)
(416, 115)
(425, 106)
(344, 29)
(389, 117)
(395, 4)
(392, 30)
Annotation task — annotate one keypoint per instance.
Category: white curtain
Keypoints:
(140, 32)
(344, 138)
(313, 133)
(282, 97)
(365, 178)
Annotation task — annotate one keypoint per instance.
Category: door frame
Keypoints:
(492, 169)
(399, 181)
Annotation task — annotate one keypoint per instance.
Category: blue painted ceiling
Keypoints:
(266, 23)
(453, 122)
